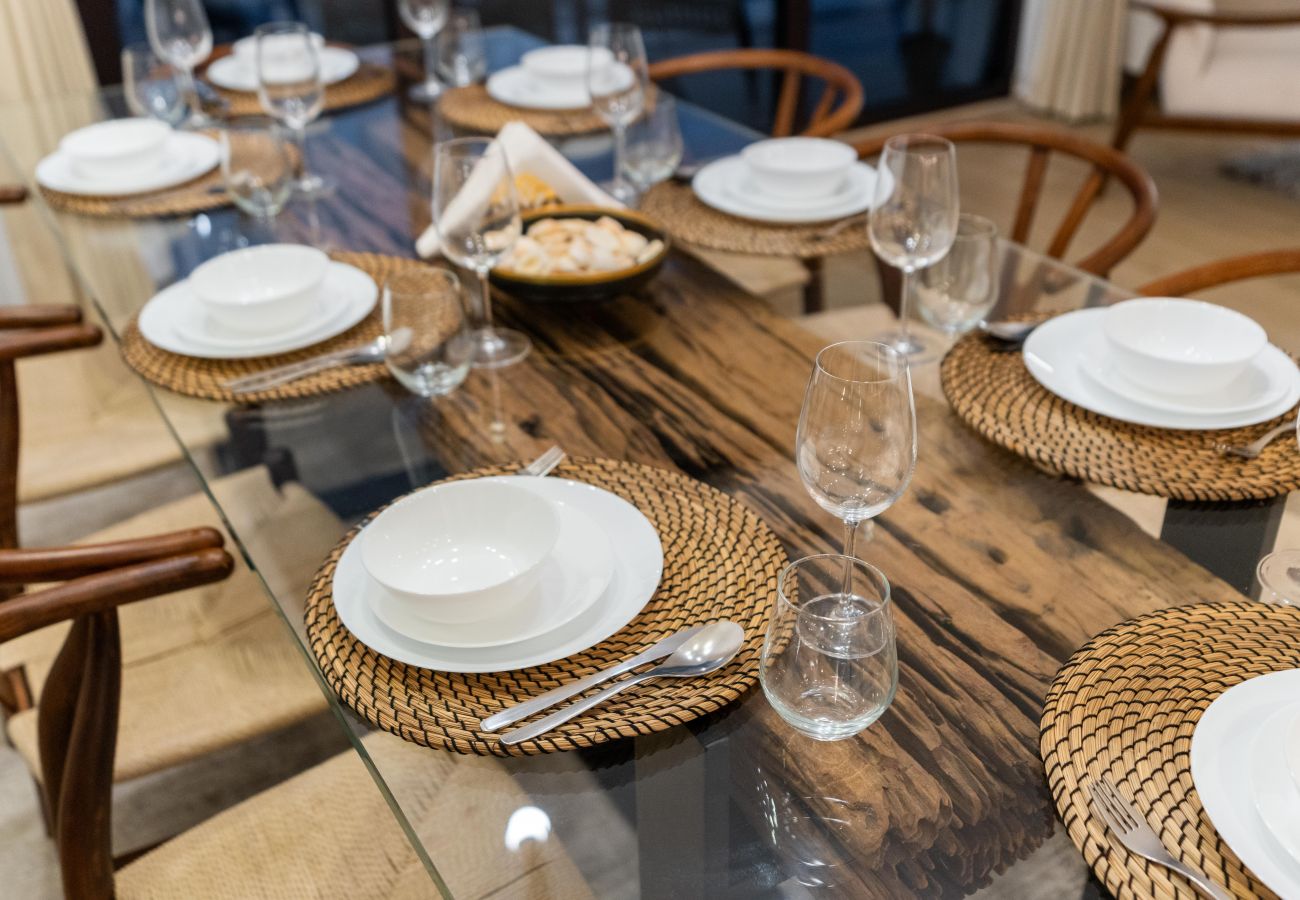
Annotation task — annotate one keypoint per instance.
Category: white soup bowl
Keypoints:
(1181, 347)
(261, 289)
(245, 49)
(461, 552)
(799, 167)
(116, 149)
(563, 66)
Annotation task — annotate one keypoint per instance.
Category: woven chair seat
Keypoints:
(328, 833)
(211, 667)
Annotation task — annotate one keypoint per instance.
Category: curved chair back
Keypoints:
(837, 107)
(1224, 271)
(1105, 163)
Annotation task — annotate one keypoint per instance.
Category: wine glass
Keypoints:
(617, 77)
(913, 220)
(290, 87)
(959, 291)
(428, 346)
(462, 53)
(179, 33)
(152, 86)
(255, 165)
(476, 212)
(425, 18)
(856, 443)
(654, 145)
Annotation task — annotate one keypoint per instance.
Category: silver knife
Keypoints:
(519, 711)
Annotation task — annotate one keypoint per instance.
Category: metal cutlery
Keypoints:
(1136, 834)
(362, 354)
(686, 171)
(512, 714)
(1255, 448)
(542, 466)
(1007, 335)
(708, 650)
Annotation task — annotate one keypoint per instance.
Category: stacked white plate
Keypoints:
(126, 156)
(552, 78)
(1246, 768)
(238, 71)
(603, 567)
(1164, 363)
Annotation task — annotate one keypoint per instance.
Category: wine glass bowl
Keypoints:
(290, 87)
(152, 86)
(462, 52)
(426, 18)
(256, 167)
(179, 34)
(959, 291)
(654, 145)
(617, 80)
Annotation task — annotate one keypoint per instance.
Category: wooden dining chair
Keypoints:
(837, 106)
(1224, 271)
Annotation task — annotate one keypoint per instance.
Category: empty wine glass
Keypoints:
(959, 291)
(290, 87)
(617, 79)
(425, 18)
(654, 145)
(255, 165)
(476, 212)
(830, 664)
(428, 346)
(153, 86)
(856, 443)
(462, 53)
(914, 217)
(179, 33)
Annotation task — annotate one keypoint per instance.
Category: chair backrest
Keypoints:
(1105, 163)
(836, 109)
(1224, 271)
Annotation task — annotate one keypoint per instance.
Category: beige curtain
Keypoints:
(1070, 57)
(43, 50)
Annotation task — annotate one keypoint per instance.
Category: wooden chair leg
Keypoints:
(15, 692)
(814, 298)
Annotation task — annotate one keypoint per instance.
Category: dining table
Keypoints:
(999, 570)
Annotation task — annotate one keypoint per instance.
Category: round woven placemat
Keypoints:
(202, 378)
(1126, 704)
(370, 82)
(994, 393)
(720, 562)
(695, 222)
(473, 109)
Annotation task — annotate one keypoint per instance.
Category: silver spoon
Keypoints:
(1008, 332)
(712, 647)
(363, 354)
(1255, 448)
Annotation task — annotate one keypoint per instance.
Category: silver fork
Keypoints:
(541, 467)
(1134, 833)
(1255, 448)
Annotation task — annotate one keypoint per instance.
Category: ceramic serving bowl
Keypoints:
(1180, 347)
(460, 552)
(261, 289)
(585, 286)
(799, 167)
(116, 149)
(563, 66)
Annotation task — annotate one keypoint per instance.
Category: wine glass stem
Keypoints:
(850, 546)
(905, 309)
(430, 58)
(191, 92)
(620, 151)
(300, 139)
(487, 299)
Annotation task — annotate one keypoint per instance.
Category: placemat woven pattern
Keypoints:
(1126, 704)
(370, 82)
(694, 222)
(994, 393)
(720, 562)
(473, 109)
(202, 378)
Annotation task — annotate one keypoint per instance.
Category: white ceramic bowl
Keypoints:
(799, 167)
(563, 66)
(245, 49)
(461, 552)
(1180, 347)
(261, 289)
(116, 149)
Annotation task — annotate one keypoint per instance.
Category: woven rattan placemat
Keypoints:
(994, 393)
(473, 109)
(1126, 704)
(720, 562)
(370, 82)
(202, 378)
(694, 222)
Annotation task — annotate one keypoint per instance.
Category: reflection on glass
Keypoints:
(527, 823)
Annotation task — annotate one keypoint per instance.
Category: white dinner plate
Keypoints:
(173, 317)
(572, 578)
(1250, 391)
(1054, 356)
(234, 74)
(716, 186)
(186, 156)
(1276, 799)
(515, 87)
(638, 564)
(1221, 746)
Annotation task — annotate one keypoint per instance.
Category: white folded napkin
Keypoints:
(526, 151)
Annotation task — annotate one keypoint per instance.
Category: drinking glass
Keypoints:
(429, 346)
(654, 145)
(462, 54)
(959, 291)
(290, 87)
(829, 663)
(476, 211)
(914, 218)
(425, 18)
(1279, 578)
(616, 80)
(179, 33)
(152, 86)
(856, 443)
(255, 165)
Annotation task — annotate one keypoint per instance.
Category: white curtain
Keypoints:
(1070, 57)
(42, 50)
